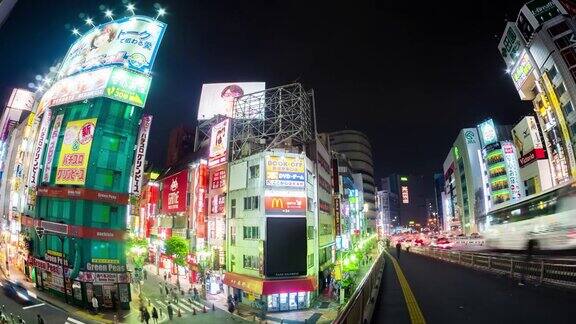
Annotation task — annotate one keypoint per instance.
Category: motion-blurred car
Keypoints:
(443, 243)
(17, 291)
(419, 242)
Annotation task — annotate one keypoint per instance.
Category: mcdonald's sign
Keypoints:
(285, 205)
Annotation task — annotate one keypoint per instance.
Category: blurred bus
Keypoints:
(548, 218)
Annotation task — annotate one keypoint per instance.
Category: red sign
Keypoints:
(54, 227)
(218, 179)
(285, 205)
(200, 196)
(103, 234)
(174, 190)
(535, 154)
(83, 193)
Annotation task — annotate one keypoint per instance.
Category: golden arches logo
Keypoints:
(277, 203)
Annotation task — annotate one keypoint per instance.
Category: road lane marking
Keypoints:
(32, 306)
(74, 320)
(416, 316)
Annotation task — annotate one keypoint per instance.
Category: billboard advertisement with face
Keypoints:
(131, 42)
(218, 98)
(75, 152)
(219, 143)
(526, 136)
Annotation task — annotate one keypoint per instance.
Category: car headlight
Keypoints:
(21, 295)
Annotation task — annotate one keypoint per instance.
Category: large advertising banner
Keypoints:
(140, 155)
(174, 191)
(39, 149)
(131, 42)
(285, 247)
(510, 44)
(200, 201)
(219, 143)
(285, 172)
(52, 147)
(115, 83)
(512, 170)
(75, 152)
(522, 70)
(218, 98)
(487, 132)
(282, 205)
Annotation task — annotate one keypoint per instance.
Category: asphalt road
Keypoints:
(28, 313)
(449, 293)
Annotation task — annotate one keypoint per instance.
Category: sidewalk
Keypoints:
(83, 314)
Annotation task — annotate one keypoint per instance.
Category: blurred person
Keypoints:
(155, 315)
(398, 250)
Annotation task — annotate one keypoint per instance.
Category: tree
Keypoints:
(137, 248)
(177, 248)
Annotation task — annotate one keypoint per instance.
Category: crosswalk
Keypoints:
(71, 320)
(184, 305)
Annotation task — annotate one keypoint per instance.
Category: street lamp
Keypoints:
(130, 7)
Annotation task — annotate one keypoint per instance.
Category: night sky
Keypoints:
(408, 74)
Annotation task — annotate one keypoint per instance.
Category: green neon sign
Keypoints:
(127, 86)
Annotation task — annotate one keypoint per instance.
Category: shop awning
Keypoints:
(268, 287)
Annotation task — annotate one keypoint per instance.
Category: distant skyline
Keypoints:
(408, 75)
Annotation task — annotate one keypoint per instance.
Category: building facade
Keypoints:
(356, 146)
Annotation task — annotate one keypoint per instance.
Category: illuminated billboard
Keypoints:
(283, 205)
(526, 136)
(218, 98)
(510, 45)
(405, 194)
(75, 152)
(52, 147)
(487, 132)
(219, 143)
(131, 42)
(285, 171)
(174, 190)
(140, 155)
(115, 83)
(21, 99)
(522, 70)
(514, 181)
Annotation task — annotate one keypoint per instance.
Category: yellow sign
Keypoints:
(561, 121)
(109, 261)
(75, 152)
(54, 253)
(30, 119)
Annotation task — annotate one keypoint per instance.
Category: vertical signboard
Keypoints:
(52, 147)
(337, 216)
(487, 132)
(514, 181)
(174, 191)
(39, 149)
(510, 44)
(200, 197)
(75, 152)
(219, 143)
(140, 155)
(405, 195)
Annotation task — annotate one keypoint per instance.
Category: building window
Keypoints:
(567, 107)
(310, 260)
(310, 204)
(553, 72)
(251, 233)
(254, 171)
(560, 90)
(310, 233)
(232, 208)
(251, 203)
(251, 262)
(309, 177)
(233, 235)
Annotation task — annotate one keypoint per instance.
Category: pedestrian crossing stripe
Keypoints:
(183, 305)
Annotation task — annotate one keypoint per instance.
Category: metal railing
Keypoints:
(557, 272)
(358, 306)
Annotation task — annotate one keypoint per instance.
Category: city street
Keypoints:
(448, 293)
(187, 307)
(28, 313)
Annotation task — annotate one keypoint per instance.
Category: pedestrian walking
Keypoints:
(95, 304)
(146, 315)
(165, 275)
(170, 311)
(161, 290)
(166, 290)
(530, 247)
(398, 249)
(145, 274)
(155, 315)
(40, 319)
(195, 293)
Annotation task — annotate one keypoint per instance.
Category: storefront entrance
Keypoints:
(288, 301)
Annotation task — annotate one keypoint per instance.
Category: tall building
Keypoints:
(464, 186)
(356, 146)
(439, 184)
(414, 193)
(538, 52)
(180, 143)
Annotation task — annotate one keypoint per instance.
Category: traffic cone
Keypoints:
(204, 309)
